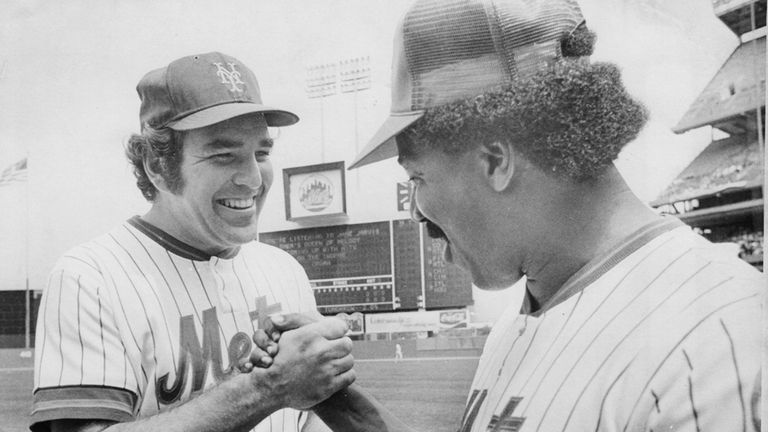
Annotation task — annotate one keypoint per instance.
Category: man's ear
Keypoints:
(152, 168)
(498, 161)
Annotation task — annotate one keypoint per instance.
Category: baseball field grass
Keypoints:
(427, 394)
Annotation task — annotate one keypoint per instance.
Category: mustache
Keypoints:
(435, 231)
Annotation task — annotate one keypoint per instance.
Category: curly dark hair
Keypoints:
(571, 120)
(161, 149)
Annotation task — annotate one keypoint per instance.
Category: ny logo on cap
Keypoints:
(231, 76)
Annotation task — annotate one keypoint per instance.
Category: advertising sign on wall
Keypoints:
(422, 321)
(355, 322)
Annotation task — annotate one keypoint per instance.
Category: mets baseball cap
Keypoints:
(450, 50)
(200, 90)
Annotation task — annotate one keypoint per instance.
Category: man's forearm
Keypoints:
(227, 407)
(354, 409)
(312, 363)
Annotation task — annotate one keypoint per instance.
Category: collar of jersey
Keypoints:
(168, 242)
(601, 264)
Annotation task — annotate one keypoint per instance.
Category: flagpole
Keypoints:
(27, 306)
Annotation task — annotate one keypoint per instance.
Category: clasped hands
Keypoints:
(306, 357)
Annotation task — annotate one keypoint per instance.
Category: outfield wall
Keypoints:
(420, 348)
(13, 318)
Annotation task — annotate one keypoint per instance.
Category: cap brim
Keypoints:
(382, 145)
(219, 113)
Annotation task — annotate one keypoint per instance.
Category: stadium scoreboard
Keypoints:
(378, 266)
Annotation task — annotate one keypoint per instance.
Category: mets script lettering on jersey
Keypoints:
(231, 76)
(207, 355)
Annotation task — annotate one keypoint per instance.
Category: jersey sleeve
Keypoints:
(712, 380)
(81, 367)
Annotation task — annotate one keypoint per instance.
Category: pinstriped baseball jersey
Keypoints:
(661, 334)
(135, 321)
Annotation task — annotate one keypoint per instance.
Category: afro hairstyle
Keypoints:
(571, 120)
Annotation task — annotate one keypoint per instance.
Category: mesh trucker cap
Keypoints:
(449, 50)
(200, 90)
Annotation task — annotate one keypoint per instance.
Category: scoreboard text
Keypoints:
(379, 266)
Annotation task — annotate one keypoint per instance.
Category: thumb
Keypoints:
(278, 323)
(331, 328)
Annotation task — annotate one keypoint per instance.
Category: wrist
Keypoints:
(252, 393)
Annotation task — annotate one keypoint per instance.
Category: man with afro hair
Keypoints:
(630, 321)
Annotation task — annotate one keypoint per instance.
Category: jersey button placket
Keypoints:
(223, 305)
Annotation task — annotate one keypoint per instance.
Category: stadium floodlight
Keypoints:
(350, 75)
(321, 80)
(355, 74)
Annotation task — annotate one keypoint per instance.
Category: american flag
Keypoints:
(16, 172)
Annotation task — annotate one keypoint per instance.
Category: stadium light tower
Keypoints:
(321, 82)
(350, 75)
(355, 75)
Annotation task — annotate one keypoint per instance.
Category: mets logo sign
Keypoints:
(316, 193)
(229, 76)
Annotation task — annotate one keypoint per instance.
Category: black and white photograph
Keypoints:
(382, 215)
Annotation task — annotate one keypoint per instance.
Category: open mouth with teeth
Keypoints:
(238, 204)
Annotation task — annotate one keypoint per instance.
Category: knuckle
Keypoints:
(298, 338)
(349, 363)
(340, 325)
(347, 344)
(350, 377)
(261, 338)
(269, 327)
(344, 367)
(305, 331)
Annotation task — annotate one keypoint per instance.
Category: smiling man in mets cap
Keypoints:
(508, 132)
(151, 327)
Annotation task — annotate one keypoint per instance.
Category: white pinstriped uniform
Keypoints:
(662, 334)
(136, 321)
